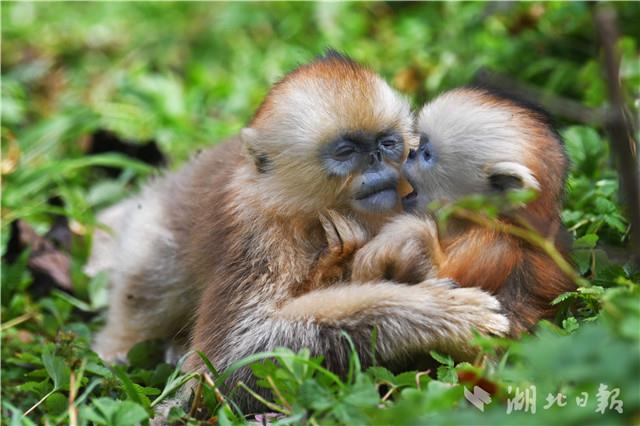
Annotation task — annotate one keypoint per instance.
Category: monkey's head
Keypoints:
(475, 142)
(331, 134)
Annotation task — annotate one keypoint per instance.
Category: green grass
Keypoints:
(186, 75)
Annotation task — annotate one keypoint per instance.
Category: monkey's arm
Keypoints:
(409, 319)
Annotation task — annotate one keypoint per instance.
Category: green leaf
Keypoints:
(362, 393)
(56, 404)
(133, 392)
(570, 324)
(447, 374)
(442, 359)
(587, 241)
(110, 412)
(442, 396)
(312, 395)
(381, 374)
(57, 370)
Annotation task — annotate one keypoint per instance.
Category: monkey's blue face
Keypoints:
(416, 170)
(372, 161)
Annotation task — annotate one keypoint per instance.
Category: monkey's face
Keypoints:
(333, 135)
(470, 143)
(367, 163)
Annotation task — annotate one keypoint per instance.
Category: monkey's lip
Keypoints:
(376, 191)
(380, 201)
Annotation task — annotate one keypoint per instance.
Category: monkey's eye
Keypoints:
(343, 152)
(427, 152)
(389, 142)
(425, 149)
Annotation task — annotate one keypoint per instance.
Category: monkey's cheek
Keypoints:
(378, 203)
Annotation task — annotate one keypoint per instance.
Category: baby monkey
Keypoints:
(475, 142)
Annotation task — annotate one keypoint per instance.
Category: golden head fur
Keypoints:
(307, 109)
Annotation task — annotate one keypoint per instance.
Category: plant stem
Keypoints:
(527, 235)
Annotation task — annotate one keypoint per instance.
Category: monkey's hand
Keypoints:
(406, 250)
(344, 236)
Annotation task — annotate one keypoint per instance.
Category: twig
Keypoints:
(34, 406)
(622, 143)
(389, 393)
(554, 104)
(17, 320)
(420, 374)
(530, 236)
(216, 391)
(73, 412)
(196, 398)
(278, 394)
(271, 405)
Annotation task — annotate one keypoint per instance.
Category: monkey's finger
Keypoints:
(352, 234)
(333, 238)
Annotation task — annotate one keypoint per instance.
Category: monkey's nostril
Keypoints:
(375, 157)
(412, 154)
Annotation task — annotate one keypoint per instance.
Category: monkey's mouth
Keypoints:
(410, 201)
(413, 195)
(377, 200)
(375, 193)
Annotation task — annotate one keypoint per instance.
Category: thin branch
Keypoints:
(268, 404)
(197, 399)
(622, 143)
(530, 236)
(72, 410)
(555, 105)
(278, 393)
(37, 404)
(17, 320)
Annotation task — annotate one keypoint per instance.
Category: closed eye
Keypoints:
(343, 152)
(389, 142)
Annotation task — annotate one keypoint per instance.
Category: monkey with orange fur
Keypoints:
(476, 142)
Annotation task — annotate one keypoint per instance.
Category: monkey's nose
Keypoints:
(412, 154)
(375, 157)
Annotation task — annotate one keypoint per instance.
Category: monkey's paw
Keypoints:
(473, 309)
(403, 252)
(344, 235)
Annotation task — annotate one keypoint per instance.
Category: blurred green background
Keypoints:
(188, 74)
(94, 94)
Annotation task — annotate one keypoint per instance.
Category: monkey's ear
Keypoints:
(250, 137)
(509, 175)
